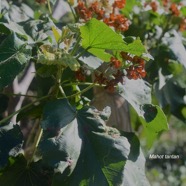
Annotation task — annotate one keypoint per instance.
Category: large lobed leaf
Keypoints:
(82, 146)
(14, 54)
(77, 148)
(97, 37)
(138, 94)
(172, 94)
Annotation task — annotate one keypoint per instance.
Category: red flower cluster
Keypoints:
(99, 12)
(87, 13)
(115, 62)
(153, 5)
(137, 69)
(182, 26)
(96, 9)
(136, 72)
(110, 84)
(83, 11)
(41, 1)
(165, 2)
(119, 4)
(174, 9)
(79, 75)
(119, 22)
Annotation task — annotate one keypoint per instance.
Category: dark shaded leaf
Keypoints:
(14, 54)
(10, 142)
(31, 113)
(150, 112)
(57, 114)
(173, 94)
(4, 102)
(19, 173)
(82, 141)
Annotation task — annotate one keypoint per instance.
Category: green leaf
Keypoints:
(98, 37)
(57, 114)
(183, 10)
(10, 142)
(39, 30)
(15, 13)
(176, 45)
(74, 141)
(46, 71)
(137, 93)
(35, 31)
(173, 94)
(52, 56)
(31, 113)
(62, 153)
(128, 9)
(174, 67)
(134, 172)
(56, 33)
(19, 173)
(154, 123)
(14, 54)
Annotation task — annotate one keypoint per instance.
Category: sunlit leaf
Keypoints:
(56, 33)
(97, 37)
(154, 123)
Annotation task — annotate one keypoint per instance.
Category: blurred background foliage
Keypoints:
(163, 32)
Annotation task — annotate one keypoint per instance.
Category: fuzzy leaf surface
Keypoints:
(14, 54)
(81, 140)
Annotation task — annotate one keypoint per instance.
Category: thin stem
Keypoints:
(81, 92)
(36, 143)
(62, 91)
(83, 83)
(28, 141)
(73, 13)
(24, 95)
(59, 75)
(49, 7)
(76, 45)
(23, 108)
(81, 53)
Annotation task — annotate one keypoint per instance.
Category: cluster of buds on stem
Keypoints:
(169, 7)
(41, 1)
(99, 10)
(132, 67)
(102, 79)
(137, 69)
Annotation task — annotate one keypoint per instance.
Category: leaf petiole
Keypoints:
(81, 92)
(23, 108)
